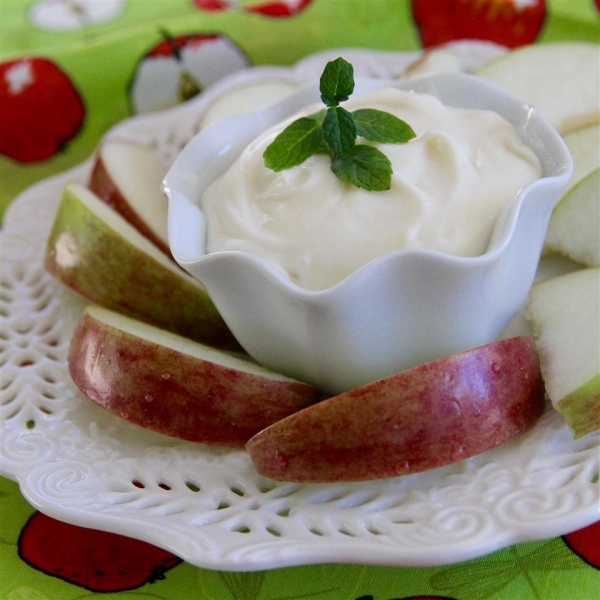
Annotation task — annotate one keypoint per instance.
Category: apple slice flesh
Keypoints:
(564, 313)
(455, 56)
(128, 177)
(247, 98)
(574, 228)
(562, 79)
(172, 385)
(426, 417)
(96, 252)
(584, 146)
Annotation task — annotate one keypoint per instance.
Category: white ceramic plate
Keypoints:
(82, 465)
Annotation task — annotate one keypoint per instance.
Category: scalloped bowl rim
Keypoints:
(225, 130)
(368, 326)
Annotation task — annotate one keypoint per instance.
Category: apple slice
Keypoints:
(175, 386)
(128, 177)
(432, 415)
(564, 313)
(562, 79)
(455, 56)
(583, 144)
(97, 253)
(247, 98)
(574, 226)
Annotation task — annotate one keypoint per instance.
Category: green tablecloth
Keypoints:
(97, 47)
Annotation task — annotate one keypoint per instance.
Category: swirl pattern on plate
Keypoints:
(81, 464)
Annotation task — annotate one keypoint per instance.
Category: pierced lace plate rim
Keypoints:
(81, 465)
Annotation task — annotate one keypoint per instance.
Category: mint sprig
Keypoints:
(294, 144)
(337, 82)
(334, 130)
(339, 130)
(365, 167)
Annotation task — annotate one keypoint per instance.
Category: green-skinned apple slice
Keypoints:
(564, 313)
(584, 146)
(426, 417)
(97, 253)
(562, 79)
(574, 228)
(128, 177)
(173, 385)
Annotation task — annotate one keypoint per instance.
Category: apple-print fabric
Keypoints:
(44, 559)
(77, 68)
(70, 70)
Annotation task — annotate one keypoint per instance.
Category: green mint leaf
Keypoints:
(365, 167)
(319, 115)
(323, 147)
(337, 82)
(294, 144)
(380, 126)
(339, 130)
(333, 131)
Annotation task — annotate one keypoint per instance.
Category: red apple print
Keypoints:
(586, 544)
(41, 109)
(283, 8)
(511, 23)
(95, 560)
(180, 67)
(215, 5)
(369, 597)
(275, 8)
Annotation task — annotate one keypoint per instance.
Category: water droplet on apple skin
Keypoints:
(402, 468)
(496, 368)
(458, 453)
(148, 398)
(281, 459)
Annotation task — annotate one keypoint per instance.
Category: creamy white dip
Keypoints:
(449, 186)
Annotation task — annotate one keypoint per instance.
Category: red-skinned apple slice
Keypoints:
(128, 177)
(97, 253)
(426, 417)
(175, 386)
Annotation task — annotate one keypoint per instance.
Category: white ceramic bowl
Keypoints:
(400, 310)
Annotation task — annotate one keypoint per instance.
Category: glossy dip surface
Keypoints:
(449, 186)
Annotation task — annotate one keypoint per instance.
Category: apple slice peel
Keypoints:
(564, 313)
(128, 177)
(175, 386)
(426, 417)
(96, 252)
